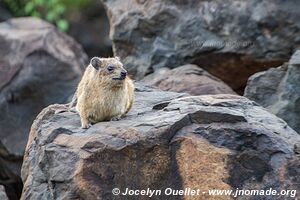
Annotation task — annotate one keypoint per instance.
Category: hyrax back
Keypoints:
(105, 91)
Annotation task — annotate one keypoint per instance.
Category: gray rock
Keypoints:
(3, 195)
(187, 78)
(39, 66)
(278, 89)
(167, 140)
(231, 39)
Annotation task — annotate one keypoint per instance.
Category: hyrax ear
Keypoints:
(96, 63)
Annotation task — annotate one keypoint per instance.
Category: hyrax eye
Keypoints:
(110, 68)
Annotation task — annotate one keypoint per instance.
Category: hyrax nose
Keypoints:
(123, 74)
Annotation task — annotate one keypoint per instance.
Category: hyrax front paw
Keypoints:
(85, 124)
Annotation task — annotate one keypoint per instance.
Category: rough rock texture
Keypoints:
(189, 79)
(229, 38)
(201, 142)
(39, 66)
(278, 89)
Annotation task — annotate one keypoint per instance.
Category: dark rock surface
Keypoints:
(278, 89)
(189, 79)
(90, 27)
(4, 13)
(10, 174)
(167, 140)
(228, 38)
(39, 66)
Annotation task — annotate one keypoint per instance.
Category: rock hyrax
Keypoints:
(105, 92)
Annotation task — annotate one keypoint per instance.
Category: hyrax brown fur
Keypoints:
(105, 92)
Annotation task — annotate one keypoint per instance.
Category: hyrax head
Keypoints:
(110, 69)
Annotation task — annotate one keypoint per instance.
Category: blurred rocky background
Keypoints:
(85, 20)
(41, 65)
(278, 89)
(220, 49)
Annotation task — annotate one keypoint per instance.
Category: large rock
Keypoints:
(232, 39)
(278, 89)
(199, 142)
(39, 66)
(187, 78)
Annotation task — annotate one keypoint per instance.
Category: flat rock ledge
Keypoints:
(168, 140)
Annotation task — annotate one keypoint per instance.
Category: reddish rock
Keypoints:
(189, 79)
